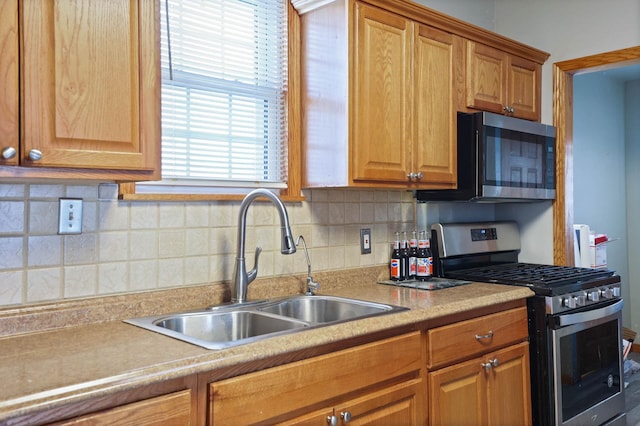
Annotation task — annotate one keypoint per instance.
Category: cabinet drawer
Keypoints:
(451, 343)
(281, 393)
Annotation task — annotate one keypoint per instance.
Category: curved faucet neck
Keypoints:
(242, 278)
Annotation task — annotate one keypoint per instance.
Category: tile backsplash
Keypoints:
(131, 246)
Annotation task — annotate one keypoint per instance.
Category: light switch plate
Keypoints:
(365, 241)
(70, 216)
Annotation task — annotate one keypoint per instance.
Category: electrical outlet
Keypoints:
(70, 216)
(365, 241)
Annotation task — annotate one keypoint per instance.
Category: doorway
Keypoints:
(563, 73)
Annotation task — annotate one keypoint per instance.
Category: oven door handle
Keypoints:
(580, 317)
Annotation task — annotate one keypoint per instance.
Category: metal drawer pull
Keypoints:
(489, 335)
(332, 420)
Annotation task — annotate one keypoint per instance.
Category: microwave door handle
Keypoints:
(580, 317)
(478, 181)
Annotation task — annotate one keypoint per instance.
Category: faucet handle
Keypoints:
(312, 286)
(252, 274)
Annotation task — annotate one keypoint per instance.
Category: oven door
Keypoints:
(587, 360)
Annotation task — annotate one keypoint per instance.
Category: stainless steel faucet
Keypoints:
(312, 285)
(242, 278)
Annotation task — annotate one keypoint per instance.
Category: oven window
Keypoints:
(516, 159)
(590, 367)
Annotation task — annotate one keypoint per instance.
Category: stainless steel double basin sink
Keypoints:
(224, 326)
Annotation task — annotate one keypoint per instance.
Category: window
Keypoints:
(224, 95)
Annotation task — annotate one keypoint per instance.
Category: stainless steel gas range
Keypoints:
(574, 321)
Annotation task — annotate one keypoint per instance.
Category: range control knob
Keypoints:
(606, 293)
(593, 296)
(581, 299)
(616, 291)
(569, 302)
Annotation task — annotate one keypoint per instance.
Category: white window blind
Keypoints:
(224, 74)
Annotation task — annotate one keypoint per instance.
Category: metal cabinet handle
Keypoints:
(489, 335)
(35, 155)
(492, 363)
(9, 152)
(346, 416)
(509, 109)
(332, 420)
(415, 176)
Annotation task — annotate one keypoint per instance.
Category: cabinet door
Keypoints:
(90, 86)
(470, 394)
(523, 91)
(382, 96)
(486, 78)
(458, 395)
(172, 409)
(435, 147)
(306, 390)
(401, 404)
(508, 393)
(8, 81)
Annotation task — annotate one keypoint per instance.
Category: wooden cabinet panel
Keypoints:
(508, 393)
(172, 409)
(454, 342)
(306, 390)
(90, 84)
(457, 395)
(9, 80)
(524, 88)
(486, 78)
(382, 90)
(396, 405)
(435, 149)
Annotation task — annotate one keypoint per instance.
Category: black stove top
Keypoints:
(543, 279)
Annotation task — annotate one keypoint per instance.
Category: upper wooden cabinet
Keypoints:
(503, 83)
(9, 106)
(382, 82)
(89, 89)
(379, 99)
(403, 101)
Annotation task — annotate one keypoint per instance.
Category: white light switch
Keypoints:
(70, 216)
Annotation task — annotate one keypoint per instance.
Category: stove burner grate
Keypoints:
(545, 276)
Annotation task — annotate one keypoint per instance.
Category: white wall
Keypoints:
(632, 156)
(477, 12)
(599, 166)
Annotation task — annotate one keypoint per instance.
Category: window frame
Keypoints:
(293, 191)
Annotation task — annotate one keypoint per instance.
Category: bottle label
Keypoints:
(424, 266)
(395, 269)
(413, 265)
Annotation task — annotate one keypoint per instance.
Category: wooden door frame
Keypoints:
(563, 73)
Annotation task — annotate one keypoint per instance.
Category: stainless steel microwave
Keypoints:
(501, 158)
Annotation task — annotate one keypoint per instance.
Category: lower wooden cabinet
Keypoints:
(479, 371)
(491, 390)
(172, 409)
(376, 383)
